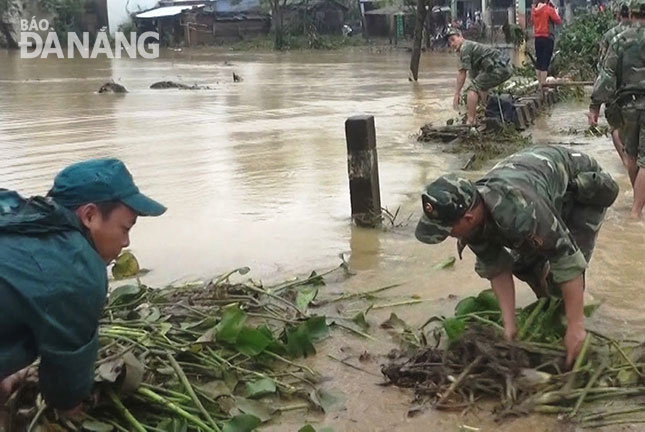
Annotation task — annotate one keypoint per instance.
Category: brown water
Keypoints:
(254, 174)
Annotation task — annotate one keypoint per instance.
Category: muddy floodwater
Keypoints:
(255, 174)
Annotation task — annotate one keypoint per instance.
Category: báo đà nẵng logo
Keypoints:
(32, 45)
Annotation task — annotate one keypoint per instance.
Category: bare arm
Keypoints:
(461, 80)
(504, 288)
(573, 294)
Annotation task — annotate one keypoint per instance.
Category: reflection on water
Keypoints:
(255, 174)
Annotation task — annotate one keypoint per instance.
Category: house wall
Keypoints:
(119, 11)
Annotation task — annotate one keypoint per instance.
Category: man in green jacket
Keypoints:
(621, 12)
(486, 67)
(535, 216)
(53, 282)
(620, 85)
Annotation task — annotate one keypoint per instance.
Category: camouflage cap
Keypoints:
(453, 31)
(445, 201)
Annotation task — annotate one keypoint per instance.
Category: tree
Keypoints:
(277, 19)
(422, 12)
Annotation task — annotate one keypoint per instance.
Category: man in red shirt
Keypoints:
(544, 18)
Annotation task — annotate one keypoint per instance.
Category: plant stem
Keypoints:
(362, 294)
(125, 413)
(152, 396)
(589, 385)
(529, 320)
(348, 364)
(459, 380)
(191, 391)
(289, 362)
(34, 421)
(401, 303)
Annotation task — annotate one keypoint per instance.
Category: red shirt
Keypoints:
(541, 15)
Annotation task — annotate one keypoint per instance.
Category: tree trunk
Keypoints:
(278, 26)
(418, 37)
(568, 12)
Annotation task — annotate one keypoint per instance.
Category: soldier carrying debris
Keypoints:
(487, 68)
(535, 216)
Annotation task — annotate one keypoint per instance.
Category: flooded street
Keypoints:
(255, 174)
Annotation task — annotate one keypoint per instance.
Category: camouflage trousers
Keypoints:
(583, 212)
(632, 132)
(485, 81)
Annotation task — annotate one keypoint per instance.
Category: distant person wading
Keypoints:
(544, 17)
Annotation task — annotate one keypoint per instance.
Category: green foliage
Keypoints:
(67, 16)
(513, 34)
(577, 46)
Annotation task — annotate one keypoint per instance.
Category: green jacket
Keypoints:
(477, 58)
(525, 195)
(623, 69)
(53, 286)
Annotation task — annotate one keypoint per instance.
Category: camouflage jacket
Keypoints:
(607, 38)
(623, 69)
(524, 195)
(476, 58)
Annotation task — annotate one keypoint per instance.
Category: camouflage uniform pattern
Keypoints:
(486, 66)
(621, 81)
(607, 38)
(545, 207)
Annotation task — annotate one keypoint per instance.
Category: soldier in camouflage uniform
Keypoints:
(621, 12)
(621, 86)
(486, 66)
(535, 215)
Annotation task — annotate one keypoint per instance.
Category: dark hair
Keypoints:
(107, 207)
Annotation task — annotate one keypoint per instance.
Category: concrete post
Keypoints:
(362, 167)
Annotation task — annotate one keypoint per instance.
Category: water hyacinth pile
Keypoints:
(468, 360)
(214, 356)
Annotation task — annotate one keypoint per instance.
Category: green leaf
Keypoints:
(315, 279)
(394, 323)
(252, 341)
(232, 322)
(328, 400)
(466, 306)
(96, 426)
(307, 428)
(360, 320)
(173, 425)
(454, 328)
(305, 296)
(262, 387)
(300, 339)
(125, 266)
(590, 309)
(488, 300)
(317, 327)
(255, 408)
(242, 423)
(448, 262)
(215, 389)
(299, 343)
(122, 293)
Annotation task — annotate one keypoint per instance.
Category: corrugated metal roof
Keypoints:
(166, 11)
(230, 6)
(392, 10)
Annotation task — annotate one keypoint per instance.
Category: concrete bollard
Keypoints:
(362, 167)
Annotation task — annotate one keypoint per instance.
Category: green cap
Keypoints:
(100, 180)
(450, 197)
(453, 31)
